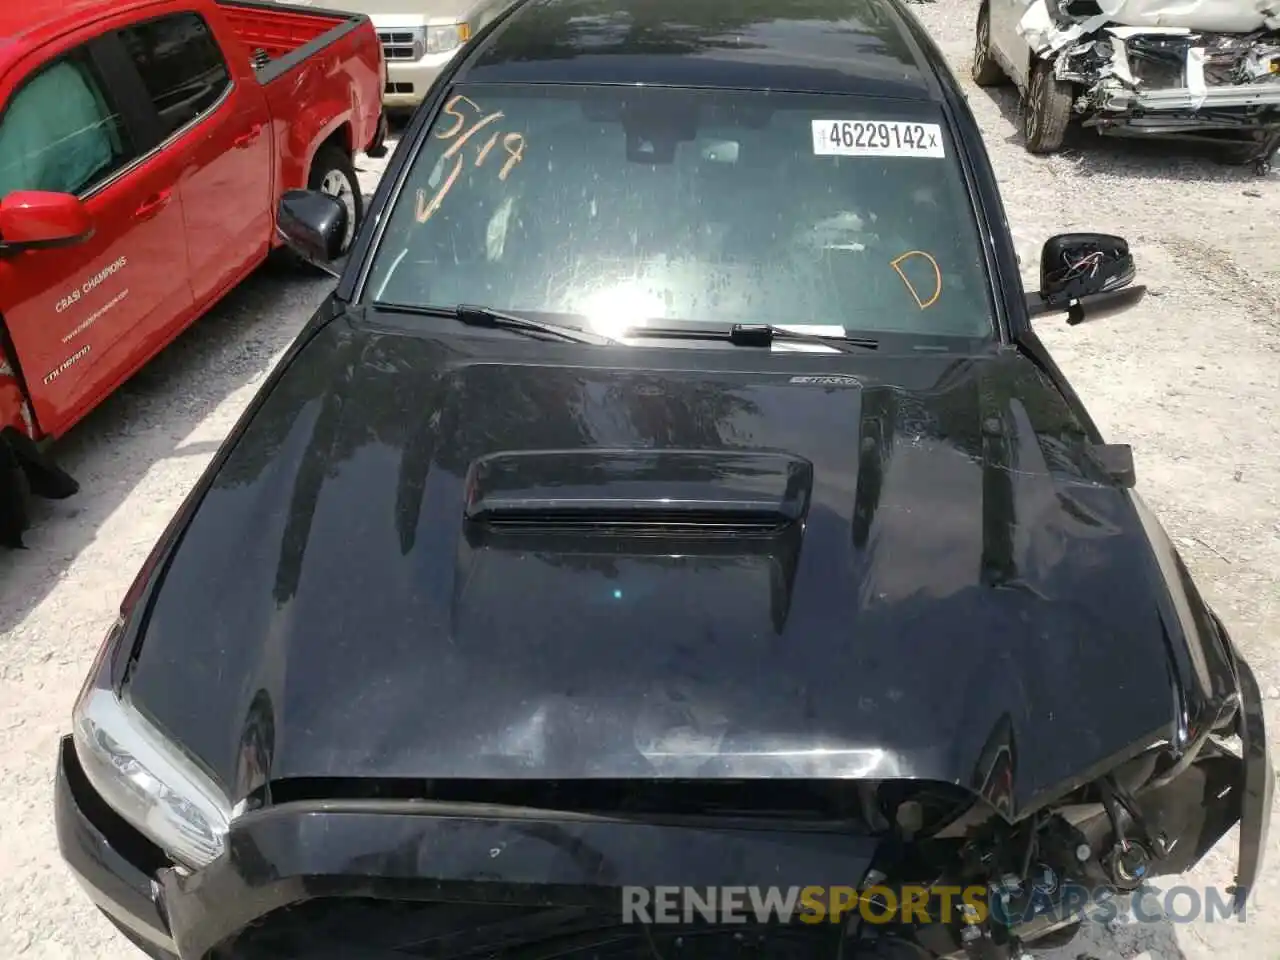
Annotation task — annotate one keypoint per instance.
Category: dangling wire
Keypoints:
(1086, 265)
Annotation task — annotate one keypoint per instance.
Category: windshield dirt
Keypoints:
(618, 206)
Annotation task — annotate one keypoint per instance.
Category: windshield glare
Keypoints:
(621, 206)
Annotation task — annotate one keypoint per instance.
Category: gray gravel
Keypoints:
(1191, 378)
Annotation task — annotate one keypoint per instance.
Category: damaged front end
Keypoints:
(892, 869)
(1207, 72)
(888, 869)
(715, 673)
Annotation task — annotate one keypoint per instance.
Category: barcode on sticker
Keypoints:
(877, 138)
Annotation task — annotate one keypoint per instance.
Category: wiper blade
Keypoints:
(757, 335)
(740, 334)
(476, 316)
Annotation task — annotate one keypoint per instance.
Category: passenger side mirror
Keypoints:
(1087, 275)
(39, 220)
(314, 225)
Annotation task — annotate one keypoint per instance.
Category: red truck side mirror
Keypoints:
(37, 219)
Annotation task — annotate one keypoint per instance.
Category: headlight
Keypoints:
(446, 38)
(143, 776)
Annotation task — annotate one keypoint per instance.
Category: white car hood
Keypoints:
(1217, 16)
(1043, 33)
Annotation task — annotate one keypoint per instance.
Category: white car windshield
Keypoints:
(618, 206)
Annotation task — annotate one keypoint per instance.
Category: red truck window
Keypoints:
(59, 133)
(181, 66)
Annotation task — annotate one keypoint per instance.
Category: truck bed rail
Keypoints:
(280, 37)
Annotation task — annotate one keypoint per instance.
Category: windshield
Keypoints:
(625, 205)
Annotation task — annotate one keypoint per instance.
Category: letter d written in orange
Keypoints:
(934, 291)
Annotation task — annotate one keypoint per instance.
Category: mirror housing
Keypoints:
(40, 220)
(314, 225)
(1087, 275)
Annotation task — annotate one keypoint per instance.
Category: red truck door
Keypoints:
(215, 115)
(76, 315)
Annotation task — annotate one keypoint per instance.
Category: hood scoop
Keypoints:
(658, 492)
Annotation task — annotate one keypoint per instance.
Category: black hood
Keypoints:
(966, 598)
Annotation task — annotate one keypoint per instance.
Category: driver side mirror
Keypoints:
(39, 220)
(1087, 275)
(314, 226)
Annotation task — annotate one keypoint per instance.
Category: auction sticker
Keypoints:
(876, 138)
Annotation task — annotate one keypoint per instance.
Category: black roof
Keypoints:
(817, 46)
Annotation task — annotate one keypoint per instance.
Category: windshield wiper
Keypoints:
(756, 335)
(739, 334)
(474, 316)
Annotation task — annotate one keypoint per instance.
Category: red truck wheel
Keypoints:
(332, 172)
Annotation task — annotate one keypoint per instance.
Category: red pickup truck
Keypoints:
(144, 145)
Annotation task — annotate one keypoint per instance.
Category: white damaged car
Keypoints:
(1206, 70)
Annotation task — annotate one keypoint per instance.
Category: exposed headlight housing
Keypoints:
(145, 777)
(448, 37)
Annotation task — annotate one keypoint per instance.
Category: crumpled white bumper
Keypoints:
(1113, 86)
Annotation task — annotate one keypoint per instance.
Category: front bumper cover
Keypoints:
(400, 850)
(425, 851)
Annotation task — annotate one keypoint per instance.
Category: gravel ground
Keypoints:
(1191, 378)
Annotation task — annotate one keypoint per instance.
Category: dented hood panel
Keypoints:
(968, 600)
